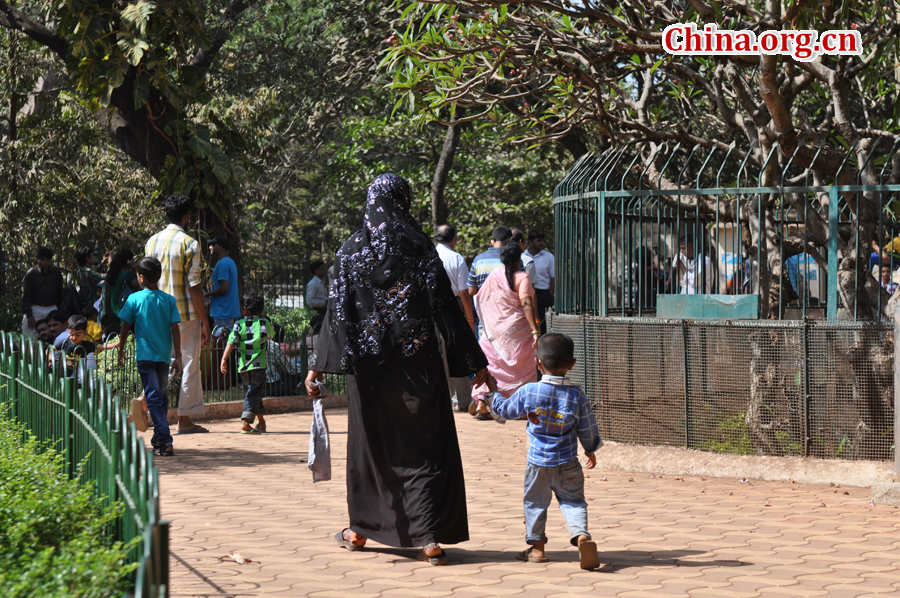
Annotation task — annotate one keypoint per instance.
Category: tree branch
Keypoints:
(12, 18)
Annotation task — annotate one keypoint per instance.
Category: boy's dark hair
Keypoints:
(89, 312)
(316, 265)
(39, 322)
(82, 254)
(445, 233)
(149, 268)
(110, 320)
(535, 234)
(58, 315)
(555, 350)
(221, 242)
(253, 302)
(177, 207)
(45, 253)
(501, 233)
(77, 323)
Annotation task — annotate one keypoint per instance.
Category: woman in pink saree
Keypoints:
(509, 330)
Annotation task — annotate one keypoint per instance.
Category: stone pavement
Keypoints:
(657, 535)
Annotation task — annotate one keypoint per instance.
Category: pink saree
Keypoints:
(505, 334)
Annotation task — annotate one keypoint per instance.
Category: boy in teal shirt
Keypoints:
(250, 336)
(154, 315)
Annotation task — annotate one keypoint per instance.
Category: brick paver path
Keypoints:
(657, 536)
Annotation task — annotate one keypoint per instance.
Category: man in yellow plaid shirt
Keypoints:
(179, 255)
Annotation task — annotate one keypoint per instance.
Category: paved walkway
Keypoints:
(227, 493)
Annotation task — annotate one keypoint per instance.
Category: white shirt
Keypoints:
(687, 280)
(528, 264)
(316, 293)
(544, 269)
(456, 268)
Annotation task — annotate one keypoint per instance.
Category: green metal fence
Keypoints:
(85, 423)
(622, 216)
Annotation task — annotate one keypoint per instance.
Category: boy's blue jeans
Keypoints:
(255, 388)
(567, 481)
(155, 380)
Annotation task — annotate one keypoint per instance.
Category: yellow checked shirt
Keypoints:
(179, 255)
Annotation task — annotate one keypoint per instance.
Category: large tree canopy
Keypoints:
(291, 104)
(548, 69)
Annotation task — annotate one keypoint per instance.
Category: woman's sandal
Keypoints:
(339, 538)
(438, 560)
(525, 555)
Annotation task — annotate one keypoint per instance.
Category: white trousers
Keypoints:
(190, 400)
(39, 312)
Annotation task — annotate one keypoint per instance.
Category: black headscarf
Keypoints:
(380, 297)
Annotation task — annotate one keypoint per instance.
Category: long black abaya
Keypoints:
(405, 482)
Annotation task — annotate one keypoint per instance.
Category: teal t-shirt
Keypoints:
(152, 312)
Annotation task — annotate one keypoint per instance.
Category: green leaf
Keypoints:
(221, 164)
(200, 143)
(133, 48)
(138, 15)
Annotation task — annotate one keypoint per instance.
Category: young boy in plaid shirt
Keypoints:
(559, 416)
(250, 336)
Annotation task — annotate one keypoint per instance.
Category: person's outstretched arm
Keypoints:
(513, 407)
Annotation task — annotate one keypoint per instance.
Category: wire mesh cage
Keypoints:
(778, 388)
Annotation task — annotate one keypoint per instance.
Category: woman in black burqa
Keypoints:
(404, 471)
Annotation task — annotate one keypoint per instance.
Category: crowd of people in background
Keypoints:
(508, 312)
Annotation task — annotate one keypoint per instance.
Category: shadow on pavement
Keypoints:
(625, 559)
(610, 561)
(218, 458)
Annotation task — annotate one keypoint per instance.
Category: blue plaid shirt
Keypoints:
(482, 265)
(559, 415)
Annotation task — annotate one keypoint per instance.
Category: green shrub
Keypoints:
(53, 533)
(295, 321)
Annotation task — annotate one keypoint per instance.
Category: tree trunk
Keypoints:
(441, 173)
(774, 413)
(574, 143)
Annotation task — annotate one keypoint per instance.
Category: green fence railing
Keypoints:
(85, 423)
(630, 223)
